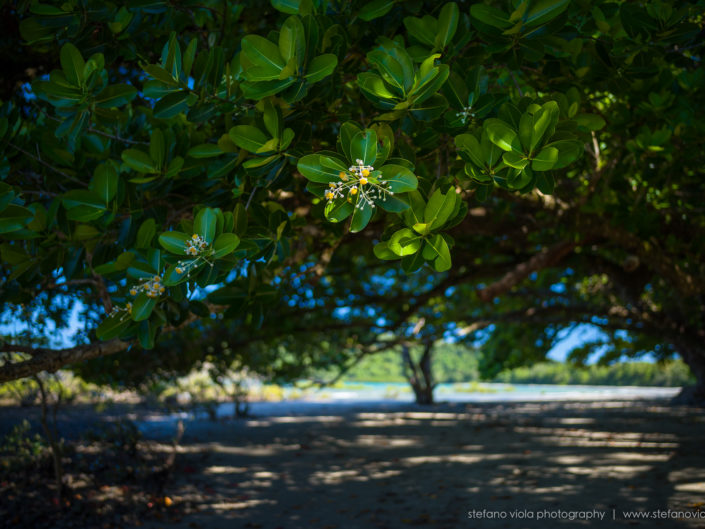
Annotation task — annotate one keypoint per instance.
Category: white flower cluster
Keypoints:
(466, 113)
(126, 310)
(153, 287)
(196, 247)
(359, 182)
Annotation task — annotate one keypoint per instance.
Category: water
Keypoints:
(484, 392)
(392, 396)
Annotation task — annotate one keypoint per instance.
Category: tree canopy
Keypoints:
(367, 173)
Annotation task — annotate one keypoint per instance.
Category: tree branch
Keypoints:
(53, 359)
(545, 258)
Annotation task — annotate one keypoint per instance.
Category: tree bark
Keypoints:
(52, 359)
(420, 375)
(695, 359)
(545, 258)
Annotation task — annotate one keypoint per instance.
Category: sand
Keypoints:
(479, 465)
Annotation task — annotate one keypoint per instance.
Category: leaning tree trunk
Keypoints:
(419, 374)
(695, 358)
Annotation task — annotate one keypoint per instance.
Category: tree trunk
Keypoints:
(696, 361)
(419, 375)
(52, 437)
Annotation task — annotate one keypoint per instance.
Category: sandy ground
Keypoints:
(525, 465)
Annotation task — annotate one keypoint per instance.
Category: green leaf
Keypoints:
(321, 67)
(544, 119)
(502, 135)
(145, 335)
(411, 263)
(545, 160)
(138, 161)
(568, 152)
(146, 233)
(382, 251)
(375, 9)
(311, 167)
(204, 224)
(248, 137)
(590, 121)
(363, 146)
(157, 148)
(14, 218)
(543, 11)
(174, 242)
(225, 244)
(545, 183)
(240, 220)
(105, 182)
(439, 208)
(447, 24)
(205, 150)
(292, 41)
(160, 74)
(171, 105)
(405, 242)
(440, 247)
(142, 307)
(72, 63)
(263, 53)
(400, 179)
(490, 16)
(515, 160)
(338, 210)
(292, 7)
(468, 143)
(362, 213)
(113, 326)
(116, 95)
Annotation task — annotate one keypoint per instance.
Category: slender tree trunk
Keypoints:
(695, 358)
(419, 375)
(52, 436)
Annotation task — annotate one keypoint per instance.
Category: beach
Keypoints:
(387, 464)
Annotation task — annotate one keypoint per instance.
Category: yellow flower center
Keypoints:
(365, 172)
(363, 180)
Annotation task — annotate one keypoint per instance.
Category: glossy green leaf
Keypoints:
(311, 167)
(116, 95)
(205, 223)
(105, 182)
(72, 64)
(545, 160)
(400, 179)
(447, 24)
(142, 307)
(248, 137)
(174, 242)
(113, 326)
(405, 242)
(502, 135)
(375, 9)
(225, 244)
(14, 218)
(138, 161)
(361, 215)
(171, 105)
(543, 11)
(363, 146)
(292, 41)
(321, 67)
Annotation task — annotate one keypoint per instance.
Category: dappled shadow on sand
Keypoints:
(410, 466)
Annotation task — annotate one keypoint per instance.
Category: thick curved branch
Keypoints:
(53, 359)
(545, 258)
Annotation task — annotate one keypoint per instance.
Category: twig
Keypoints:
(47, 165)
